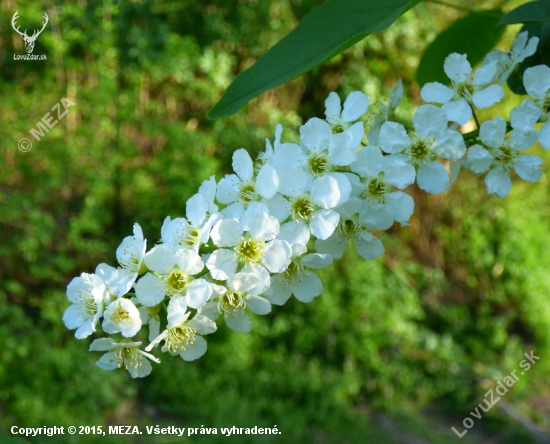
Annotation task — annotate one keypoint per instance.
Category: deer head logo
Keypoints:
(29, 40)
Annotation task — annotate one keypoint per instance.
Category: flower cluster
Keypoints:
(257, 237)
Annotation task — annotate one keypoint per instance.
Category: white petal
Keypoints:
(314, 135)
(263, 227)
(344, 185)
(228, 188)
(525, 115)
(150, 290)
(108, 361)
(208, 189)
(160, 259)
(222, 264)
(141, 371)
(492, 132)
(398, 173)
(479, 159)
(278, 207)
(376, 217)
(85, 330)
(528, 169)
(433, 178)
(332, 107)
(487, 97)
(279, 291)
(242, 282)
(401, 206)
(458, 111)
(498, 182)
(486, 74)
(242, 164)
(334, 246)
(227, 233)
(188, 261)
(436, 92)
(293, 181)
(355, 133)
(537, 81)
(355, 106)
(267, 182)
(317, 261)
(196, 209)
(239, 322)
(393, 138)
(277, 256)
(325, 192)
(340, 152)
(195, 350)
(370, 162)
(262, 275)
(72, 319)
(430, 121)
(102, 344)
(544, 136)
(289, 154)
(521, 139)
(323, 223)
(294, 233)
(450, 145)
(198, 292)
(368, 246)
(457, 67)
(177, 311)
(258, 305)
(202, 324)
(307, 286)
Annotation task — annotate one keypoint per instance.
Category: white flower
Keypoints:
(379, 113)
(86, 294)
(355, 106)
(234, 300)
(182, 336)
(208, 190)
(298, 279)
(254, 246)
(173, 276)
(130, 257)
(466, 90)
(309, 203)
(125, 354)
(351, 229)
(239, 190)
(380, 175)
(503, 156)
(433, 138)
(507, 62)
(122, 316)
(194, 230)
(115, 280)
(537, 84)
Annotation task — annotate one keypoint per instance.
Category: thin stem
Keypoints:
(475, 117)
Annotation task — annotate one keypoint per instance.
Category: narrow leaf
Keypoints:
(538, 11)
(474, 35)
(327, 31)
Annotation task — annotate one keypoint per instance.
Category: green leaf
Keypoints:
(474, 35)
(327, 31)
(538, 11)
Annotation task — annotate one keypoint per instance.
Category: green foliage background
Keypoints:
(413, 339)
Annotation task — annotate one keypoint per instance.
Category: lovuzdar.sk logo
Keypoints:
(29, 40)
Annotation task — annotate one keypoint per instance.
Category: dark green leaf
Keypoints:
(538, 11)
(474, 35)
(327, 31)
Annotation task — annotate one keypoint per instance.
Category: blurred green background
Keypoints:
(396, 350)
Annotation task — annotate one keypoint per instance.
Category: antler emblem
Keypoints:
(29, 40)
